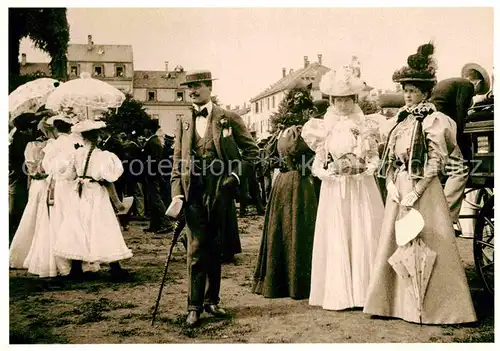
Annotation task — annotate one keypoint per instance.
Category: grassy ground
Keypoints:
(96, 310)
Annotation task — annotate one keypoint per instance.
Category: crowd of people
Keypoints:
(329, 228)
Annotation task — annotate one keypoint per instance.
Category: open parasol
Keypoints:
(84, 95)
(414, 262)
(29, 97)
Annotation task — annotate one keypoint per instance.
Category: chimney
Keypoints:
(320, 59)
(306, 61)
(89, 41)
(166, 66)
(283, 71)
(23, 59)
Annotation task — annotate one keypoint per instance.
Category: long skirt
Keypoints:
(284, 262)
(447, 299)
(350, 213)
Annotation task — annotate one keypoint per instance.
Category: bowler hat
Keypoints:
(198, 76)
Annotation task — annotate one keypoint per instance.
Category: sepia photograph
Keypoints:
(250, 175)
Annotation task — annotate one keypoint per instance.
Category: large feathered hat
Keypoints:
(341, 82)
(421, 66)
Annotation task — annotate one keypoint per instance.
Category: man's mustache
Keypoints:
(192, 95)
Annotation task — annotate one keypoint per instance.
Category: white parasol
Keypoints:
(84, 95)
(30, 97)
(413, 261)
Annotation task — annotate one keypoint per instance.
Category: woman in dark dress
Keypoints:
(284, 261)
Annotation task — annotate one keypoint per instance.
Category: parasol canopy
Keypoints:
(414, 262)
(84, 95)
(29, 97)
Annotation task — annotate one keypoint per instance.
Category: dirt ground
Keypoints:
(97, 311)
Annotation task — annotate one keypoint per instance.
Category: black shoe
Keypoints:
(215, 310)
(193, 318)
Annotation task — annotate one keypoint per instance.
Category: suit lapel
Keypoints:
(216, 116)
(188, 125)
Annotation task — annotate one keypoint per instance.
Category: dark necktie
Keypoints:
(202, 113)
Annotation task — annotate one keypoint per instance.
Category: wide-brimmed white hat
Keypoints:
(59, 117)
(341, 82)
(87, 125)
(408, 227)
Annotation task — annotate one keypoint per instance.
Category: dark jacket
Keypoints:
(453, 97)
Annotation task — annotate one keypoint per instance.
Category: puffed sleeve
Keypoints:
(30, 157)
(290, 141)
(440, 134)
(111, 167)
(314, 133)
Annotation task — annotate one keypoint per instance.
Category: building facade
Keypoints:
(266, 103)
(163, 96)
(110, 63)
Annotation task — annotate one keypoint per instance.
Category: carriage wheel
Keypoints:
(484, 244)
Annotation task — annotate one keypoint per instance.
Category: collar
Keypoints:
(209, 106)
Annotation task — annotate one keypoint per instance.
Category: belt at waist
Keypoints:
(39, 176)
(92, 180)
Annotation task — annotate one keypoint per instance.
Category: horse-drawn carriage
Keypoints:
(480, 129)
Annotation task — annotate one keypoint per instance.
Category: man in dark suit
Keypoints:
(453, 97)
(201, 173)
(152, 154)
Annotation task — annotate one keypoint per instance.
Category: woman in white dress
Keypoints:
(350, 207)
(27, 250)
(90, 231)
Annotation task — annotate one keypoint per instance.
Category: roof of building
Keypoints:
(159, 79)
(309, 74)
(241, 111)
(34, 67)
(100, 53)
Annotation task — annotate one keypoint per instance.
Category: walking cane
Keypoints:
(178, 226)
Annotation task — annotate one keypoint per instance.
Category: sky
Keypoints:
(246, 48)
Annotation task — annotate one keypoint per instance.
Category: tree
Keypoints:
(48, 28)
(368, 106)
(130, 116)
(294, 109)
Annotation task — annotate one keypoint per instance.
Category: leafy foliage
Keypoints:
(16, 81)
(48, 28)
(294, 109)
(368, 106)
(130, 116)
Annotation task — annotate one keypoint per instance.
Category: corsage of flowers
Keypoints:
(355, 132)
(226, 127)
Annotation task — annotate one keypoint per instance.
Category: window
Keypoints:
(98, 70)
(180, 96)
(267, 103)
(273, 101)
(119, 71)
(151, 95)
(73, 71)
(256, 107)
